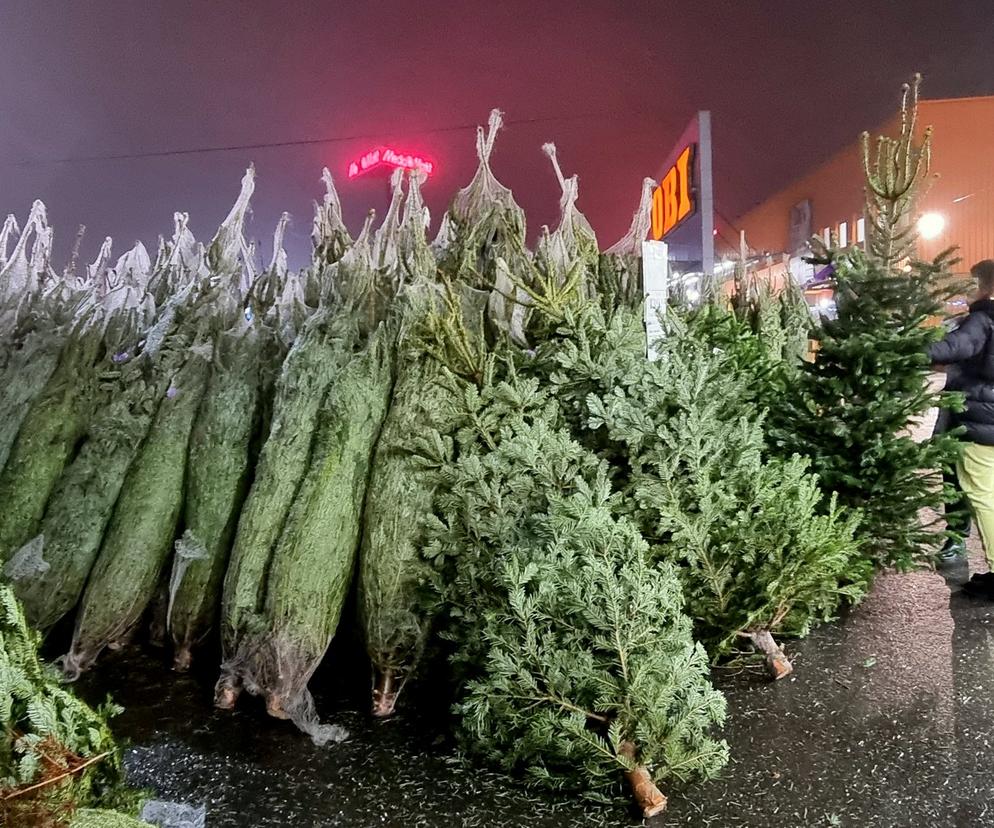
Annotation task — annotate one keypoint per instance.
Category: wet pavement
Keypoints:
(886, 721)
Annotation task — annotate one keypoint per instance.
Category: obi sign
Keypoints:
(673, 200)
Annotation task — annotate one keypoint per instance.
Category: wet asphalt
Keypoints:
(886, 721)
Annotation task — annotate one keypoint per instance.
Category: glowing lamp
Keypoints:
(824, 303)
(931, 225)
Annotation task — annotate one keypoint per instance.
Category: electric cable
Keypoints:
(302, 142)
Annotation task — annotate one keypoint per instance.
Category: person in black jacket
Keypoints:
(970, 348)
(957, 512)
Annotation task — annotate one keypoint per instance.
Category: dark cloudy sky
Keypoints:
(787, 83)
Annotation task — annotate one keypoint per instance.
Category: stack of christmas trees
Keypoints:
(468, 434)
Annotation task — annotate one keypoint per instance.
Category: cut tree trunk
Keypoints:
(182, 659)
(275, 706)
(385, 694)
(649, 798)
(226, 692)
(777, 663)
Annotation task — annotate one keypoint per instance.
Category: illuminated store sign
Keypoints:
(385, 156)
(673, 200)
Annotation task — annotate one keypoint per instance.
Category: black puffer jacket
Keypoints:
(971, 349)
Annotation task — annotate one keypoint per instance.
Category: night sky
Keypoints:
(612, 83)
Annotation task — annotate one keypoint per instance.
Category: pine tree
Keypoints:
(780, 321)
(56, 753)
(574, 661)
(684, 436)
(850, 411)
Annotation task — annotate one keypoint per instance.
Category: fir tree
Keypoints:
(56, 753)
(684, 435)
(780, 321)
(850, 411)
(574, 660)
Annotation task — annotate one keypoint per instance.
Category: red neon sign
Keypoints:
(385, 156)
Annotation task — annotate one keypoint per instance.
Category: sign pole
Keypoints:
(655, 278)
(707, 194)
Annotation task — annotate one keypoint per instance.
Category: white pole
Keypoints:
(707, 193)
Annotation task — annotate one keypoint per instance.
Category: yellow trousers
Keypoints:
(975, 471)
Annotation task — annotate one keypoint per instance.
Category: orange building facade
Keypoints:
(959, 200)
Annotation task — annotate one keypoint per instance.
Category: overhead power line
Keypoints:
(304, 142)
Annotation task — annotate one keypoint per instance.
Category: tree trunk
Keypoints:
(275, 706)
(226, 692)
(385, 695)
(777, 663)
(649, 798)
(182, 659)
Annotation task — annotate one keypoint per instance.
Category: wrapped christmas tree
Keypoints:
(57, 419)
(619, 268)
(397, 504)
(314, 560)
(219, 470)
(307, 372)
(81, 505)
(139, 538)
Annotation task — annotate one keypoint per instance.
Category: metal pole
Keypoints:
(707, 193)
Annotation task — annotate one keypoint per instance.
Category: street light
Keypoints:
(931, 225)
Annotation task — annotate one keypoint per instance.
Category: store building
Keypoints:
(957, 208)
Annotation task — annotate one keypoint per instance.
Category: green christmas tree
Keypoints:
(57, 754)
(779, 321)
(574, 661)
(851, 410)
(755, 557)
(684, 439)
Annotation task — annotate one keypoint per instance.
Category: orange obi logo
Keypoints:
(673, 199)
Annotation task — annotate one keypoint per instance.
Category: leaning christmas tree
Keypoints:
(850, 411)
(573, 660)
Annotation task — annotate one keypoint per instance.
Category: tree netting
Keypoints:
(313, 559)
(619, 274)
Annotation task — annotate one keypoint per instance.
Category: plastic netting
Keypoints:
(228, 251)
(9, 230)
(329, 234)
(620, 270)
(174, 814)
(573, 237)
(385, 240)
(27, 562)
(187, 550)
